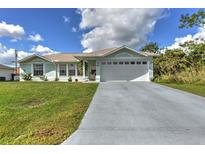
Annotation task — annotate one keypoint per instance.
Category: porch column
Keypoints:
(56, 70)
(83, 69)
(76, 69)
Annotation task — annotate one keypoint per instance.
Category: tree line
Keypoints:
(185, 64)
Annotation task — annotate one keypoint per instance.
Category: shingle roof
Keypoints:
(66, 57)
(62, 57)
(75, 57)
(97, 53)
(5, 67)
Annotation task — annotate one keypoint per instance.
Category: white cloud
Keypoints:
(13, 40)
(12, 31)
(66, 19)
(35, 38)
(197, 38)
(117, 27)
(7, 56)
(74, 29)
(39, 49)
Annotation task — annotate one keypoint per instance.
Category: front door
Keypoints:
(92, 70)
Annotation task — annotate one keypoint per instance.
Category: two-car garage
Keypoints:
(124, 70)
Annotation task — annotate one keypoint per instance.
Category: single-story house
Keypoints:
(6, 73)
(112, 64)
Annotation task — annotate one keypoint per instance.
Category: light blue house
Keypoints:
(113, 64)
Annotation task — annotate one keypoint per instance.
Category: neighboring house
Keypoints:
(15, 76)
(111, 64)
(5, 72)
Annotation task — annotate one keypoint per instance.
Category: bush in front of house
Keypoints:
(44, 78)
(76, 80)
(69, 79)
(56, 79)
(26, 76)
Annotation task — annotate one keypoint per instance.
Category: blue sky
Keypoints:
(49, 23)
(166, 29)
(72, 30)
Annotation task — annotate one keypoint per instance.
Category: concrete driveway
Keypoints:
(142, 113)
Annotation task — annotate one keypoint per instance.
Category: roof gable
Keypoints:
(124, 51)
(29, 58)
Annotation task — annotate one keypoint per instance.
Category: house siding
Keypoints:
(49, 69)
(6, 73)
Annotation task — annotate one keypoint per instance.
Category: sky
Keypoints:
(48, 31)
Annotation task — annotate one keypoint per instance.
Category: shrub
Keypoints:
(56, 79)
(190, 75)
(44, 78)
(27, 77)
(69, 79)
(76, 80)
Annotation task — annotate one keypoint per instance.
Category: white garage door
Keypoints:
(124, 70)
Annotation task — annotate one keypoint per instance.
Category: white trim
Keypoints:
(33, 69)
(76, 70)
(115, 50)
(67, 70)
(44, 69)
(83, 69)
(148, 69)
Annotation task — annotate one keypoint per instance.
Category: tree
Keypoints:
(196, 53)
(196, 19)
(150, 47)
(170, 63)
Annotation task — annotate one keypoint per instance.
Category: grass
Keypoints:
(198, 89)
(42, 113)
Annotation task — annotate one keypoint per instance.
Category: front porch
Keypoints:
(83, 71)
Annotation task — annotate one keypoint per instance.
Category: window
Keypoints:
(71, 69)
(127, 63)
(103, 63)
(121, 62)
(37, 69)
(138, 62)
(109, 63)
(114, 63)
(62, 68)
(132, 62)
(144, 62)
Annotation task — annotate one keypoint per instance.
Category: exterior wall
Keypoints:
(6, 73)
(151, 76)
(49, 70)
(27, 67)
(97, 77)
(122, 55)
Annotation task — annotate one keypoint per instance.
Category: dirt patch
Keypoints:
(33, 102)
(45, 132)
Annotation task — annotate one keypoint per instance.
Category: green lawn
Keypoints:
(42, 113)
(192, 88)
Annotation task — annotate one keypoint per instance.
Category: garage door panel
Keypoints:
(122, 72)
